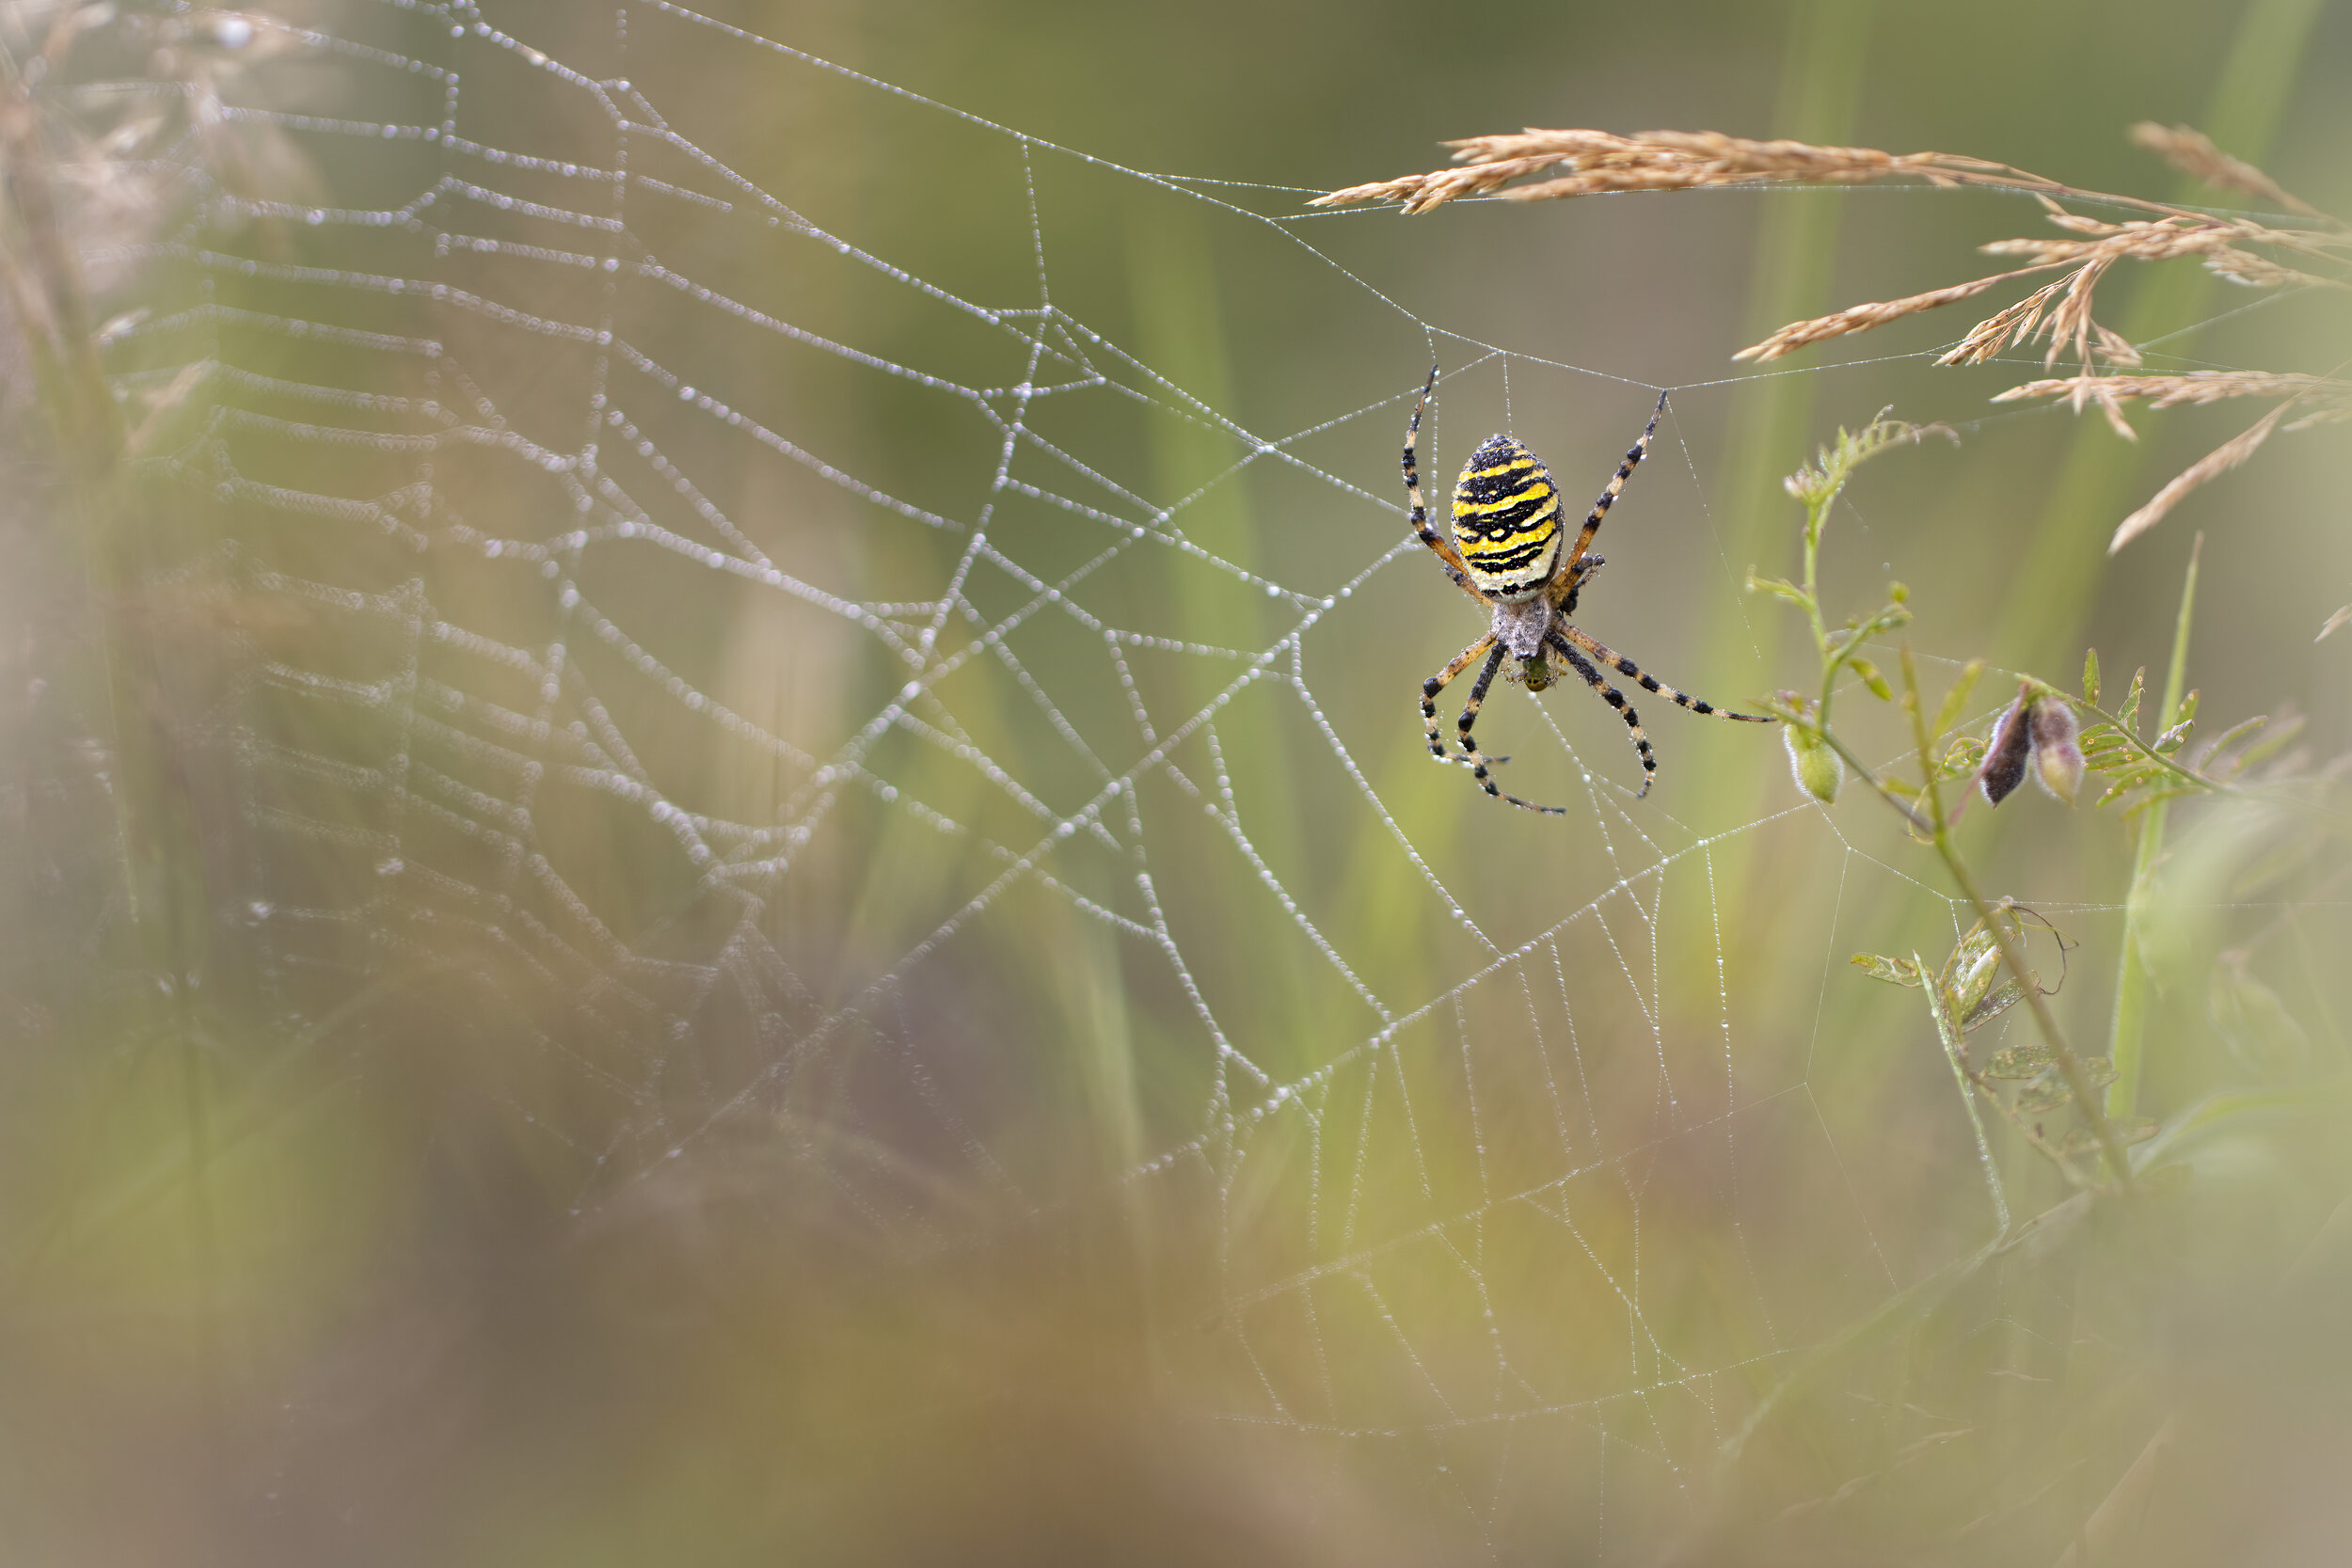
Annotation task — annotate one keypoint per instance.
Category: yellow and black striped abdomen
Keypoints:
(1506, 519)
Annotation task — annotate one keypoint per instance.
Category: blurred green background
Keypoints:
(636, 936)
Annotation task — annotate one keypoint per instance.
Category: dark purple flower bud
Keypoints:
(2005, 753)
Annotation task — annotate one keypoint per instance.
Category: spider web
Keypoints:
(1010, 830)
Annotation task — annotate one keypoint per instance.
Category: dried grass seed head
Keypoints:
(2193, 152)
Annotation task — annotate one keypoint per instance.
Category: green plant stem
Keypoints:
(1935, 830)
(2032, 1135)
(2127, 1035)
(1835, 655)
(1956, 1054)
(2070, 1065)
(1815, 517)
(1919, 824)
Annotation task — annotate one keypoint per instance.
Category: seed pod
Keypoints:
(1812, 764)
(2057, 760)
(2005, 754)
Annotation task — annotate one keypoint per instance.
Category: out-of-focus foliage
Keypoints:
(564, 997)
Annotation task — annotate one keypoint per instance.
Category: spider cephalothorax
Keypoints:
(1507, 554)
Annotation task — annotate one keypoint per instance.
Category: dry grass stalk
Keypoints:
(2227, 455)
(1599, 160)
(1861, 318)
(2339, 618)
(2194, 155)
(2234, 248)
(2328, 398)
(2067, 302)
(2195, 388)
(2015, 324)
(2211, 240)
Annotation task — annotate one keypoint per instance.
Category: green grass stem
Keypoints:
(2127, 1037)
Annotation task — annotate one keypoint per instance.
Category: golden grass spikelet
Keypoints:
(2193, 153)
(2160, 240)
(2084, 391)
(1861, 318)
(2227, 455)
(2116, 349)
(2326, 398)
(2195, 388)
(2015, 325)
(2070, 320)
(1601, 161)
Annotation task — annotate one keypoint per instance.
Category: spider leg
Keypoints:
(1578, 580)
(1623, 666)
(1616, 699)
(1448, 557)
(1479, 762)
(1608, 497)
(1438, 682)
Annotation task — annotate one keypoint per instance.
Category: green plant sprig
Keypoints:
(1962, 998)
(1818, 487)
(2070, 1067)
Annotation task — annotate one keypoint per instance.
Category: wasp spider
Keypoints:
(1506, 555)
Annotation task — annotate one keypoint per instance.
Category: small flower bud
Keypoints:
(2057, 760)
(1812, 764)
(2005, 753)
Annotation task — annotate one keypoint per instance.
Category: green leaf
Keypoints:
(1872, 678)
(2183, 713)
(2234, 734)
(2127, 716)
(2128, 780)
(1895, 972)
(1956, 698)
(1976, 974)
(1996, 1002)
(2043, 1094)
(2050, 1090)
(2170, 741)
(2143, 803)
(2256, 1025)
(2090, 675)
(1782, 588)
(2128, 1130)
(2018, 1061)
(2271, 744)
